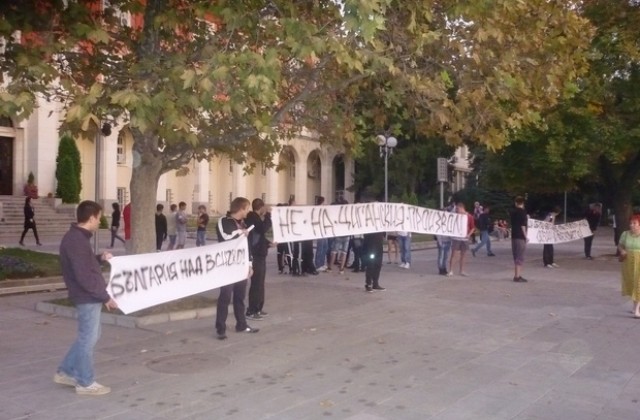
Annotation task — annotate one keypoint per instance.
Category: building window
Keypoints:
(168, 196)
(263, 196)
(230, 166)
(263, 169)
(122, 196)
(292, 170)
(121, 149)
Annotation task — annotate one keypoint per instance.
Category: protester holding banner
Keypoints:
(322, 246)
(629, 249)
(87, 290)
(519, 238)
(203, 222)
(484, 224)
(593, 218)
(260, 219)
(460, 246)
(231, 227)
(547, 249)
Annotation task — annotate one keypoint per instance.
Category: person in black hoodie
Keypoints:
(231, 227)
(372, 254)
(260, 219)
(29, 221)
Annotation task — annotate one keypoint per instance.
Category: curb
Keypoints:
(129, 321)
(41, 284)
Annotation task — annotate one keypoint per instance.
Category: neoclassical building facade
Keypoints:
(308, 169)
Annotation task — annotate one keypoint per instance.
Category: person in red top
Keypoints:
(126, 218)
(460, 246)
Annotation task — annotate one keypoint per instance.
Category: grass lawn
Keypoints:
(18, 263)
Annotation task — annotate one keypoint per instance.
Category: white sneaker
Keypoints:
(406, 265)
(322, 269)
(401, 265)
(64, 379)
(554, 265)
(450, 274)
(549, 266)
(93, 389)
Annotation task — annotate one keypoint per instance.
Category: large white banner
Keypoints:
(540, 232)
(141, 281)
(301, 223)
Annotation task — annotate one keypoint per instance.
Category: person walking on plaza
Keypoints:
(126, 219)
(29, 221)
(115, 224)
(260, 219)
(203, 222)
(404, 242)
(161, 227)
(593, 218)
(519, 238)
(87, 290)
(460, 246)
(477, 211)
(547, 249)
(373, 252)
(181, 225)
(629, 250)
(322, 246)
(171, 227)
(231, 227)
(484, 225)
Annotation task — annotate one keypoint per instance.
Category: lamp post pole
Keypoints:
(386, 145)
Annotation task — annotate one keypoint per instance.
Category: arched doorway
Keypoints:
(287, 174)
(7, 137)
(314, 169)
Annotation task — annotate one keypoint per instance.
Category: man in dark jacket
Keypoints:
(231, 227)
(260, 219)
(593, 218)
(161, 227)
(88, 292)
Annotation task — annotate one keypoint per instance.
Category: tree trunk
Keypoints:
(144, 187)
(622, 206)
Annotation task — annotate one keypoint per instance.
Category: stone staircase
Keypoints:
(52, 220)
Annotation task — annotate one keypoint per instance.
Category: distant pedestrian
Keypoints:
(629, 248)
(29, 221)
(203, 221)
(392, 247)
(126, 218)
(171, 227)
(460, 246)
(115, 224)
(477, 211)
(485, 226)
(88, 291)
(231, 227)
(161, 227)
(519, 238)
(547, 249)
(181, 225)
(404, 242)
(593, 218)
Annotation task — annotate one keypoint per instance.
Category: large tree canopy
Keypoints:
(594, 137)
(191, 78)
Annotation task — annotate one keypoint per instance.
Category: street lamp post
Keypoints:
(386, 145)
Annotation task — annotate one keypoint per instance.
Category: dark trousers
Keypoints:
(238, 291)
(284, 257)
(547, 254)
(358, 261)
(114, 235)
(256, 290)
(588, 241)
(159, 240)
(372, 273)
(26, 229)
(306, 252)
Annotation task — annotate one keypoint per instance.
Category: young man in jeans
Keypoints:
(88, 292)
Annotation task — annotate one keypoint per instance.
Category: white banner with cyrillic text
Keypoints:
(301, 223)
(141, 281)
(540, 232)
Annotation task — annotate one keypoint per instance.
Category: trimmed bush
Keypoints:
(68, 149)
(67, 189)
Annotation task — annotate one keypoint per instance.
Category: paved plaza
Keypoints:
(563, 346)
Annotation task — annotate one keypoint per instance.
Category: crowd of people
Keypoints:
(87, 288)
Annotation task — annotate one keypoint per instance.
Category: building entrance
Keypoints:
(6, 166)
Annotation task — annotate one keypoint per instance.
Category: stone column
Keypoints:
(326, 178)
(300, 185)
(238, 182)
(349, 169)
(201, 185)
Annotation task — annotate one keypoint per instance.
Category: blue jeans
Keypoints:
(443, 255)
(322, 247)
(484, 240)
(405, 249)
(200, 237)
(78, 363)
